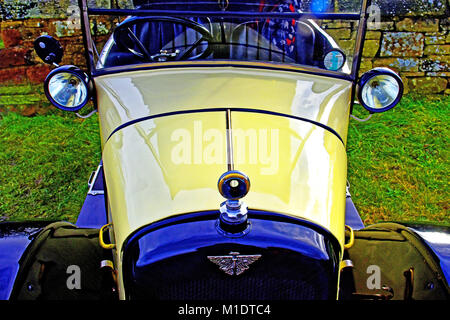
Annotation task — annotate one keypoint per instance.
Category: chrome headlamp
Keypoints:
(379, 90)
(68, 88)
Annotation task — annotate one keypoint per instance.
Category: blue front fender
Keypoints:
(438, 240)
(15, 237)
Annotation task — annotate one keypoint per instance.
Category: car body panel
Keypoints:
(153, 171)
(15, 238)
(291, 167)
(146, 177)
(438, 239)
(127, 96)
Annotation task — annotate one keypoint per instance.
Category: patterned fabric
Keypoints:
(282, 32)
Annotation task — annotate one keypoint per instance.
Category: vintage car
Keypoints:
(224, 171)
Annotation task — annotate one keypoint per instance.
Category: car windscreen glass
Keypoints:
(281, 32)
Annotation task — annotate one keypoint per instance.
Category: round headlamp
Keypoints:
(380, 89)
(233, 185)
(68, 88)
(334, 59)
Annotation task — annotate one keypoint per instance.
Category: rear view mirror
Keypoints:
(49, 49)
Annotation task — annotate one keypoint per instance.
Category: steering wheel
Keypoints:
(125, 37)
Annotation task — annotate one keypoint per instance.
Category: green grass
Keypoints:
(398, 163)
(45, 162)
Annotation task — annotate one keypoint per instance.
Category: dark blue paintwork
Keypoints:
(93, 213)
(438, 239)
(303, 252)
(352, 218)
(15, 237)
(188, 236)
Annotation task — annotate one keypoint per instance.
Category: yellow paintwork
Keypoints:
(131, 95)
(297, 168)
(149, 177)
(170, 165)
(149, 180)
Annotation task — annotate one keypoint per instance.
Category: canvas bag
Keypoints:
(50, 267)
(407, 268)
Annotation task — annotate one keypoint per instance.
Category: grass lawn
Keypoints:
(398, 164)
(45, 162)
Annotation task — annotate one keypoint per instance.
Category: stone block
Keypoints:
(435, 38)
(34, 23)
(371, 48)
(30, 34)
(398, 64)
(390, 8)
(13, 76)
(10, 57)
(435, 64)
(438, 74)
(402, 44)
(413, 74)
(63, 29)
(10, 24)
(11, 37)
(444, 23)
(381, 26)
(418, 25)
(37, 74)
(366, 65)
(347, 45)
(373, 35)
(428, 84)
(335, 24)
(339, 33)
(437, 49)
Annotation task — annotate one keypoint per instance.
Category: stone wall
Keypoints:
(411, 38)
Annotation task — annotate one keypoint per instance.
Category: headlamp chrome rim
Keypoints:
(370, 75)
(78, 74)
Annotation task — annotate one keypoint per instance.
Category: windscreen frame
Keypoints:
(362, 17)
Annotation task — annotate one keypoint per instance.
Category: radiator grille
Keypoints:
(276, 276)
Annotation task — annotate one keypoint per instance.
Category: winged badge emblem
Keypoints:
(234, 263)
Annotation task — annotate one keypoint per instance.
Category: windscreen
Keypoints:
(318, 34)
(248, 5)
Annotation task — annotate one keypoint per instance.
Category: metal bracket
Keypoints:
(90, 114)
(92, 180)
